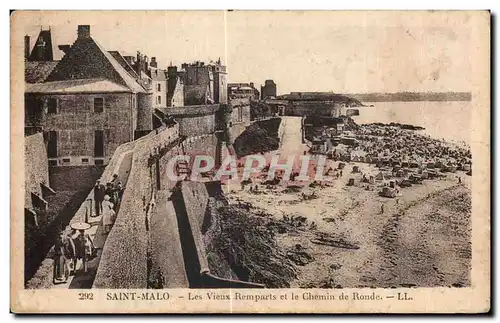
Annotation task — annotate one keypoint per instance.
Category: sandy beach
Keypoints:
(421, 238)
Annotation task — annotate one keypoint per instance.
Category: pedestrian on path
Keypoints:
(108, 214)
(99, 192)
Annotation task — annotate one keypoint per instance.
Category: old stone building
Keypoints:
(243, 90)
(268, 89)
(88, 105)
(204, 83)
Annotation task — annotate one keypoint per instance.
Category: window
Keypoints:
(158, 100)
(158, 87)
(85, 160)
(98, 105)
(66, 161)
(51, 105)
(99, 143)
(99, 162)
(52, 144)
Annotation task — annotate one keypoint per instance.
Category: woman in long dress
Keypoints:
(108, 215)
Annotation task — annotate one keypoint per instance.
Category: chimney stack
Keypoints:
(153, 62)
(251, 85)
(139, 64)
(26, 47)
(83, 31)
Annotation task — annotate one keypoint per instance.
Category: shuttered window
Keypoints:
(51, 105)
(98, 105)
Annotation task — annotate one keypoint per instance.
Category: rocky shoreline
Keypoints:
(396, 124)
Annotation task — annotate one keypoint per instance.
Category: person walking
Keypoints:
(61, 273)
(119, 193)
(108, 215)
(69, 251)
(84, 248)
(99, 190)
(110, 192)
(115, 180)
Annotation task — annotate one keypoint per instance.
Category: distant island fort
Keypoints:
(411, 96)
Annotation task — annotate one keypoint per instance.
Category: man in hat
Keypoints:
(99, 192)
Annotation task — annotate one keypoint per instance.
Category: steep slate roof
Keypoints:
(45, 38)
(145, 76)
(76, 86)
(119, 58)
(38, 71)
(88, 60)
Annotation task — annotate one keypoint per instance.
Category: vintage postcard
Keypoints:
(250, 162)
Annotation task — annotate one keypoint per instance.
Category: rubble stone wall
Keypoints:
(76, 123)
(36, 168)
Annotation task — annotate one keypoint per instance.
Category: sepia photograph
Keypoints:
(321, 153)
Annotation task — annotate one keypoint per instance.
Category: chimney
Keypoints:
(138, 64)
(172, 71)
(251, 85)
(83, 31)
(153, 62)
(26, 47)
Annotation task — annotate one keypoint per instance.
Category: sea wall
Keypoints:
(193, 146)
(166, 256)
(190, 200)
(194, 120)
(124, 260)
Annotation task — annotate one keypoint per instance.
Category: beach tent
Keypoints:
(380, 176)
(388, 192)
(400, 173)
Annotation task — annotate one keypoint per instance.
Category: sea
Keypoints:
(447, 120)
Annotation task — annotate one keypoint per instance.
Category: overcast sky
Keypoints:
(301, 51)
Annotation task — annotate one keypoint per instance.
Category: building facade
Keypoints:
(159, 84)
(204, 83)
(242, 90)
(87, 106)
